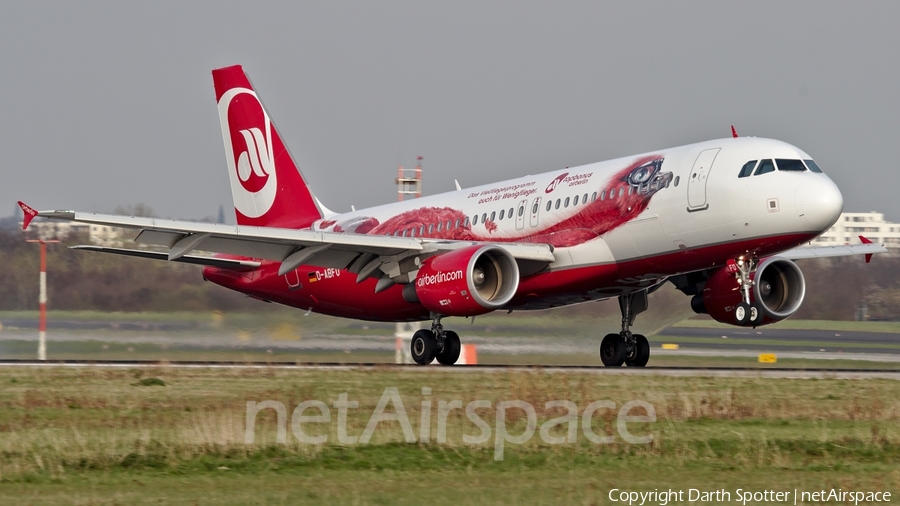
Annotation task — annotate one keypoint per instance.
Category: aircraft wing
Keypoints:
(867, 248)
(364, 255)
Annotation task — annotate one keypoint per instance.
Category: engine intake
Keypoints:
(468, 281)
(780, 287)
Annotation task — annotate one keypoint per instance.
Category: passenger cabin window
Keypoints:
(534, 208)
(510, 214)
(558, 202)
(603, 195)
(422, 230)
(566, 203)
(467, 222)
(493, 215)
(812, 166)
(791, 165)
(584, 199)
(575, 201)
(549, 204)
(747, 169)
(430, 228)
(502, 213)
(484, 218)
(475, 220)
(440, 226)
(521, 210)
(765, 166)
(456, 224)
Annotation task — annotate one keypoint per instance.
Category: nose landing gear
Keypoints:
(626, 348)
(746, 312)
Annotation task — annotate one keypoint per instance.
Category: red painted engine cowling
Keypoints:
(468, 282)
(779, 286)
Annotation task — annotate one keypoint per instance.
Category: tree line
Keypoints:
(79, 280)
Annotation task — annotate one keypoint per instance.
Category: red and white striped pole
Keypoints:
(42, 300)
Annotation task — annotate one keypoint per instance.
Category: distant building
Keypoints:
(100, 235)
(111, 237)
(61, 230)
(871, 225)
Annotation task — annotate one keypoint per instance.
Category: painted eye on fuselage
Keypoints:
(640, 175)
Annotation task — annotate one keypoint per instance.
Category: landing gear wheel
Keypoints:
(612, 350)
(742, 313)
(450, 354)
(756, 314)
(423, 347)
(640, 352)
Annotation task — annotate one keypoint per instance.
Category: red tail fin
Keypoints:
(266, 184)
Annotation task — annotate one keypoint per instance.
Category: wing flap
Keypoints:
(221, 263)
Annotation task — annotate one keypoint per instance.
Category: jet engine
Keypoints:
(466, 282)
(778, 289)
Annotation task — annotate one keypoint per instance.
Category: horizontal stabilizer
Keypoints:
(221, 263)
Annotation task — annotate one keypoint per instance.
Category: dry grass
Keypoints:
(59, 424)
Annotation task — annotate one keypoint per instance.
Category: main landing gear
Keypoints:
(746, 312)
(626, 348)
(436, 343)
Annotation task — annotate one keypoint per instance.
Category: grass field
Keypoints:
(175, 436)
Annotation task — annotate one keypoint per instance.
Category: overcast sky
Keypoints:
(107, 104)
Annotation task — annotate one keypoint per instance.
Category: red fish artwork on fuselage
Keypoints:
(624, 197)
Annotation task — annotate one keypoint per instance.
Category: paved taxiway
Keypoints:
(700, 342)
(634, 371)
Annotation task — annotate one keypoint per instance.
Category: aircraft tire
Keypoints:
(612, 350)
(641, 352)
(450, 354)
(423, 347)
(742, 313)
(756, 314)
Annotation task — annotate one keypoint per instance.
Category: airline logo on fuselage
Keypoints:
(553, 184)
(439, 277)
(251, 160)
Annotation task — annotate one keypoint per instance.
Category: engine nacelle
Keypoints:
(467, 282)
(778, 286)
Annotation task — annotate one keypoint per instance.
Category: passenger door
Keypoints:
(697, 180)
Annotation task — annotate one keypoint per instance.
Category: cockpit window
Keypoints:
(812, 166)
(765, 166)
(793, 165)
(747, 169)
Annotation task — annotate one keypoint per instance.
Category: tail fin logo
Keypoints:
(251, 160)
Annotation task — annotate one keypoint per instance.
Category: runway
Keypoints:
(723, 372)
(782, 339)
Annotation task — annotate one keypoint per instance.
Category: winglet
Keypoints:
(866, 240)
(733, 132)
(29, 214)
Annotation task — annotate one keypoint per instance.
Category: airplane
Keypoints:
(721, 220)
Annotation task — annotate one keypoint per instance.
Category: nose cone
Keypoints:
(818, 202)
